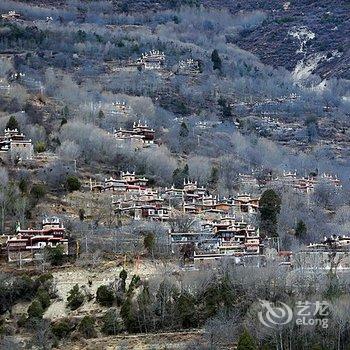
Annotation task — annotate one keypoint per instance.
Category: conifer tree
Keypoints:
(300, 229)
(184, 132)
(12, 124)
(215, 58)
(269, 207)
(246, 342)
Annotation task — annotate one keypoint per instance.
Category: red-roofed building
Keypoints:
(28, 244)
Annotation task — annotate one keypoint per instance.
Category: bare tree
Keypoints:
(340, 309)
(181, 222)
(3, 195)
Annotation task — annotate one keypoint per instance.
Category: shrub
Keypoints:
(87, 327)
(22, 320)
(105, 296)
(23, 185)
(75, 298)
(44, 279)
(40, 147)
(35, 309)
(24, 287)
(43, 297)
(73, 183)
(61, 329)
(56, 255)
(38, 191)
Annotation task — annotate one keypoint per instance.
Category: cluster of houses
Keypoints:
(330, 254)
(141, 135)
(290, 179)
(224, 222)
(11, 15)
(221, 228)
(121, 108)
(155, 60)
(307, 184)
(152, 60)
(188, 67)
(225, 237)
(15, 146)
(127, 183)
(267, 125)
(224, 226)
(334, 243)
(29, 244)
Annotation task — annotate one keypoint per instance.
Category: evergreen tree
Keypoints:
(246, 342)
(184, 132)
(269, 207)
(87, 327)
(23, 185)
(186, 310)
(311, 124)
(333, 288)
(300, 229)
(123, 276)
(65, 112)
(185, 172)
(214, 177)
(110, 324)
(225, 107)
(215, 58)
(179, 175)
(64, 121)
(134, 283)
(127, 315)
(145, 311)
(220, 294)
(149, 243)
(12, 124)
(75, 298)
(101, 115)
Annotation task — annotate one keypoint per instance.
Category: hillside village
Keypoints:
(159, 181)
